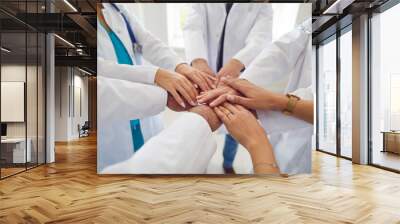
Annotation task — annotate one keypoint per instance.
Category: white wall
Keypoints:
(68, 83)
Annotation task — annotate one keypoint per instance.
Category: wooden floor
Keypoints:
(70, 191)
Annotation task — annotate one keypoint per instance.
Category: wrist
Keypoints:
(181, 67)
(279, 102)
(199, 61)
(262, 157)
(160, 74)
(238, 65)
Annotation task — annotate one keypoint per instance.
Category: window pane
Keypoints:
(31, 100)
(346, 94)
(385, 84)
(327, 97)
(13, 87)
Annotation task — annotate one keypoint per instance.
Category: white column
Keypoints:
(360, 90)
(50, 99)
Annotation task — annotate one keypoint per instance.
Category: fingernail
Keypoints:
(229, 97)
(183, 105)
(193, 103)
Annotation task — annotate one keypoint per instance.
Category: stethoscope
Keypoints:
(137, 48)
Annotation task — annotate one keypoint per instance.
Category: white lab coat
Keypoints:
(285, 67)
(115, 95)
(180, 148)
(248, 30)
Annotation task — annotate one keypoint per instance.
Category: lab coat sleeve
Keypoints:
(153, 49)
(124, 100)
(304, 93)
(133, 73)
(271, 68)
(185, 147)
(120, 101)
(259, 37)
(195, 32)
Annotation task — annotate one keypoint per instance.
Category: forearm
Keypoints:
(303, 110)
(263, 157)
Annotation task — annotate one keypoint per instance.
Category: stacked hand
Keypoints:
(177, 85)
(249, 96)
(199, 78)
(231, 69)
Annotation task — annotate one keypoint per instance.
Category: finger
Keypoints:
(221, 99)
(178, 98)
(218, 80)
(239, 84)
(210, 82)
(211, 76)
(188, 86)
(209, 96)
(185, 94)
(231, 108)
(209, 79)
(192, 89)
(240, 107)
(226, 112)
(221, 115)
(210, 72)
(240, 100)
(201, 80)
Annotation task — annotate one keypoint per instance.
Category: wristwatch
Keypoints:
(291, 104)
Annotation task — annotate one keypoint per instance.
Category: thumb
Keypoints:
(246, 102)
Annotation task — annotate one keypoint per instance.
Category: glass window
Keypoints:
(327, 97)
(176, 16)
(22, 91)
(14, 153)
(385, 89)
(346, 94)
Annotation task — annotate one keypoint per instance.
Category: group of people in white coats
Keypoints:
(233, 75)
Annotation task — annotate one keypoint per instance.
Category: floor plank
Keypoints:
(70, 191)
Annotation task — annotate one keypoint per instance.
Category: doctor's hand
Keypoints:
(210, 96)
(173, 105)
(253, 97)
(177, 85)
(208, 114)
(246, 129)
(231, 69)
(203, 80)
(202, 65)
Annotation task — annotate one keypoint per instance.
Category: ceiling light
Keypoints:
(70, 5)
(337, 7)
(5, 50)
(84, 71)
(65, 41)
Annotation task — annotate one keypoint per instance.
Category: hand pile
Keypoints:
(227, 98)
(231, 101)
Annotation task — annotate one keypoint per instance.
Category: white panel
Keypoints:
(12, 101)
